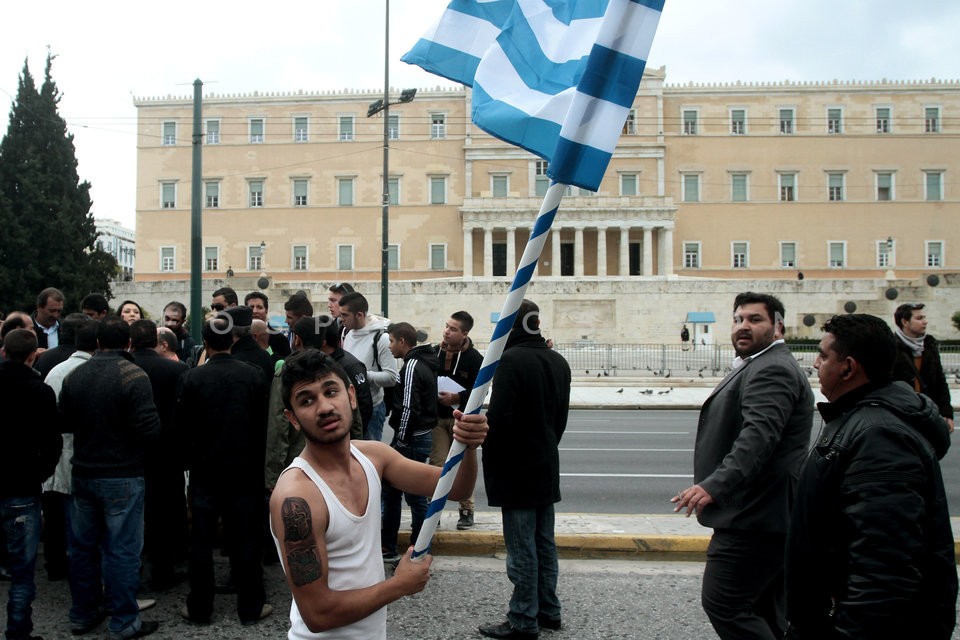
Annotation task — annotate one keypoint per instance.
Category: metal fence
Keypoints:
(672, 360)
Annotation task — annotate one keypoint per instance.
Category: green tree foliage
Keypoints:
(48, 232)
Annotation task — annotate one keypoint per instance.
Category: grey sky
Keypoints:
(109, 51)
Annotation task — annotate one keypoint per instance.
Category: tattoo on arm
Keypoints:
(303, 558)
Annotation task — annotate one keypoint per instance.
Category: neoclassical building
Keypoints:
(839, 180)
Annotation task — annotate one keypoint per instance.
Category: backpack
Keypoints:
(389, 393)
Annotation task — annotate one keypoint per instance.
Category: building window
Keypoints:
(691, 187)
(438, 126)
(168, 258)
(438, 257)
(393, 188)
(499, 186)
(169, 133)
(740, 255)
(691, 255)
(738, 122)
(256, 193)
(212, 192)
(541, 181)
(838, 254)
(738, 187)
(345, 130)
(933, 186)
(168, 195)
(300, 257)
(256, 130)
(438, 190)
(213, 131)
(344, 257)
(393, 126)
(630, 124)
(884, 254)
(301, 131)
(628, 184)
(788, 255)
(884, 187)
(835, 120)
(690, 122)
(788, 186)
(934, 253)
(211, 258)
(787, 121)
(254, 258)
(300, 190)
(345, 192)
(883, 119)
(393, 257)
(835, 187)
(931, 119)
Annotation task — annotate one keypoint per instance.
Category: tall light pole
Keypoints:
(376, 107)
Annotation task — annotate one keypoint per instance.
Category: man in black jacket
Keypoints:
(260, 305)
(870, 547)
(165, 515)
(521, 471)
(29, 449)
(244, 347)
(68, 344)
(918, 358)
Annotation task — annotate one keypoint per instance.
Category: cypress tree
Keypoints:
(48, 230)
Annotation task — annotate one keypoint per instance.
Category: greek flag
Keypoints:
(556, 77)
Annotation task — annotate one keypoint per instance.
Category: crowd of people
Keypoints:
(143, 443)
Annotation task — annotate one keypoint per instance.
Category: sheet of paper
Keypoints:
(448, 384)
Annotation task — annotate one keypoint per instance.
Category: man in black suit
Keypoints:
(165, 508)
(260, 305)
(245, 348)
(221, 413)
(752, 435)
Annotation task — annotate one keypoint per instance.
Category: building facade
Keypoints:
(120, 242)
(837, 180)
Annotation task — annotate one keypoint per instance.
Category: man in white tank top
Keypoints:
(325, 510)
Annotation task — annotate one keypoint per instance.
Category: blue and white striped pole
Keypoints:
(491, 358)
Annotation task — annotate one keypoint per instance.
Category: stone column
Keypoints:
(555, 245)
(666, 251)
(468, 252)
(624, 252)
(487, 252)
(578, 251)
(511, 251)
(647, 250)
(601, 251)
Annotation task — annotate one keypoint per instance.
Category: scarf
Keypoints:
(915, 344)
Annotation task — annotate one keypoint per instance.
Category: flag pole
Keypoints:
(491, 358)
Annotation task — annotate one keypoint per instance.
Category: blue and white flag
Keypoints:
(556, 77)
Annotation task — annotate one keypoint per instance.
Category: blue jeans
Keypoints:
(21, 527)
(107, 522)
(418, 450)
(531, 566)
(374, 430)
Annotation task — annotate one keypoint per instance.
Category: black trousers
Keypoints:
(165, 518)
(242, 529)
(743, 588)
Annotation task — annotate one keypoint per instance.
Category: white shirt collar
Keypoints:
(739, 362)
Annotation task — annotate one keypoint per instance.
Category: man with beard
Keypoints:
(752, 435)
(325, 510)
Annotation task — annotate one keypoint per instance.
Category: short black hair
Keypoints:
(403, 331)
(905, 313)
(306, 366)
(87, 335)
(355, 303)
(19, 344)
(257, 295)
(113, 332)
(229, 295)
(179, 306)
(331, 331)
(299, 304)
(143, 334)
(95, 302)
(69, 327)
(528, 317)
(310, 332)
(772, 304)
(868, 340)
(217, 333)
(46, 294)
(465, 320)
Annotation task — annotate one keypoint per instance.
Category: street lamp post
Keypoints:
(376, 107)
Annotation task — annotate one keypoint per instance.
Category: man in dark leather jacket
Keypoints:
(870, 547)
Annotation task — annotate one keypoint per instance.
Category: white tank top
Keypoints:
(353, 551)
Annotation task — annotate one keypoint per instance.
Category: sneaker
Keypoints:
(265, 611)
(145, 603)
(465, 521)
(146, 628)
(392, 558)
